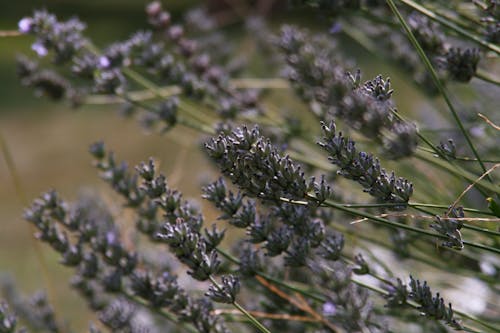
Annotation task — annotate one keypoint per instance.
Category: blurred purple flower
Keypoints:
(104, 62)
(329, 309)
(25, 25)
(335, 28)
(40, 49)
(110, 237)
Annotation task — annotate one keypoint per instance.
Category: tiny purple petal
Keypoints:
(104, 62)
(40, 49)
(25, 25)
(477, 131)
(335, 28)
(329, 309)
(110, 237)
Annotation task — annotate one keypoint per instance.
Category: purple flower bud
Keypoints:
(335, 28)
(329, 309)
(40, 49)
(110, 237)
(104, 62)
(25, 25)
(154, 8)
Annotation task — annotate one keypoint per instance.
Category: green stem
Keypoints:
(168, 91)
(470, 210)
(458, 158)
(142, 81)
(397, 225)
(486, 77)
(194, 124)
(252, 319)
(247, 314)
(435, 78)
(387, 205)
(141, 95)
(389, 223)
(258, 83)
(457, 171)
(195, 114)
(419, 8)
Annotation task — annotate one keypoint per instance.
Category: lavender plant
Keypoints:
(295, 247)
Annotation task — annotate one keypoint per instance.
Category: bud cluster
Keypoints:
(320, 78)
(104, 267)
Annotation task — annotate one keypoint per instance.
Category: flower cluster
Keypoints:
(321, 79)
(182, 228)
(365, 169)
(428, 33)
(450, 227)
(64, 38)
(299, 233)
(45, 82)
(346, 303)
(293, 230)
(104, 267)
(448, 149)
(34, 310)
(429, 305)
(461, 64)
(287, 244)
(432, 306)
(8, 321)
(456, 63)
(227, 292)
(255, 165)
(167, 53)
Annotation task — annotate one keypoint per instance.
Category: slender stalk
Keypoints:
(397, 225)
(435, 78)
(195, 111)
(258, 83)
(140, 95)
(168, 91)
(457, 171)
(193, 124)
(387, 205)
(458, 158)
(470, 210)
(247, 314)
(486, 77)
